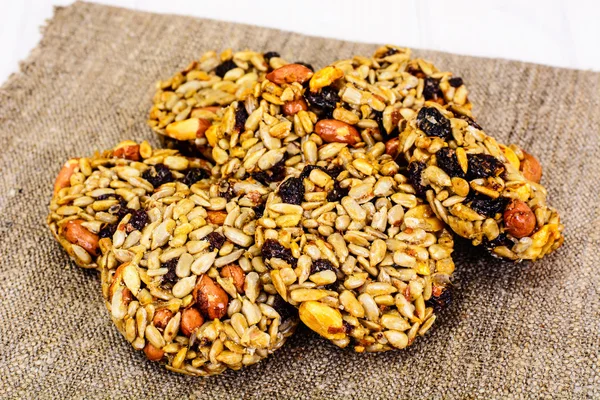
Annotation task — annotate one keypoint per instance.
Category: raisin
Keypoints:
(433, 123)
(193, 175)
(120, 210)
(225, 66)
(292, 191)
(107, 231)
(139, 219)
(348, 329)
(321, 265)
(337, 193)
(379, 119)
(272, 248)
(275, 174)
(483, 166)
(415, 70)
(390, 52)
(241, 115)
(307, 170)
(431, 90)
(216, 241)
(270, 54)
(158, 174)
(283, 308)
(415, 169)
(447, 161)
(306, 65)
(488, 207)
(107, 196)
(324, 101)
(226, 190)
(170, 278)
(441, 301)
(501, 240)
(469, 120)
(259, 210)
(455, 82)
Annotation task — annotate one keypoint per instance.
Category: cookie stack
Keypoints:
(284, 194)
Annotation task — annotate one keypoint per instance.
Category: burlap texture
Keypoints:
(525, 330)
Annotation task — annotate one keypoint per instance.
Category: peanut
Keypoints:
(216, 217)
(191, 319)
(519, 220)
(391, 147)
(289, 74)
(188, 129)
(153, 353)
(236, 273)
(63, 179)
(531, 168)
(211, 299)
(162, 318)
(293, 106)
(77, 234)
(331, 130)
(128, 150)
(325, 77)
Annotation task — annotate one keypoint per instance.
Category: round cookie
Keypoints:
(92, 193)
(262, 125)
(370, 263)
(486, 192)
(187, 286)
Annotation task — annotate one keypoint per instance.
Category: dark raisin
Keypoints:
(226, 190)
(455, 82)
(324, 101)
(225, 66)
(158, 174)
(501, 240)
(193, 175)
(306, 65)
(348, 329)
(433, 123)
(321, 265)
(307, 170)
(441, 301)
(292, 191)
(272, 248)
(120, 210)
(414, 69)
(170, 278)
(216, 241)
(270, 54)
(431, 90)
(483, 166)
(469, 120)
(139, 219)
(259, 210)
(107, 231)
(489, 207)
(275, 174)
(379, 119)
(447, 160)
(241, 115)
(107, 196)
(415, 169)
(391, 51)
(337, 193)
(283, 308)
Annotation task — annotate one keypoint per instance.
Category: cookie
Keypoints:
(484, 191)
(366, 261)
(187, 287)
(91, 194)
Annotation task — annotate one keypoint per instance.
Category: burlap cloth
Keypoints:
(526, 330)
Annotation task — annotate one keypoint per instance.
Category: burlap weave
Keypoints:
(526, 330)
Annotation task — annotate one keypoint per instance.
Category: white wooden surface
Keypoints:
(563, 33)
